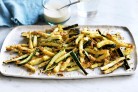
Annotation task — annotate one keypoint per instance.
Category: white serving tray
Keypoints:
(14, 37)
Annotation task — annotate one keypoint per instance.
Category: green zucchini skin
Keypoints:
(75, 58)
(100, 33)
(86, 54)
(28, 58)
(52, 61)
(87, 43)
(69, 27)
(16, 59)
(74, 32)
(52, 67)
(108, 46)
(126, 65)
(84, 46)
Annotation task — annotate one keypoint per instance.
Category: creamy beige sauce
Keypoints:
(51, 14)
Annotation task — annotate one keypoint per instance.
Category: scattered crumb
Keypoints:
(11, 53)
(39, 73)
(60, 75)
(30, 73)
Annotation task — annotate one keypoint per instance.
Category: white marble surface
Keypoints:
(113, 12)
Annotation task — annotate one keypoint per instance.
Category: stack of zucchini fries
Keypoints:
(70, 48)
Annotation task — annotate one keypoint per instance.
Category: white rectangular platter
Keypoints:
(14, 37)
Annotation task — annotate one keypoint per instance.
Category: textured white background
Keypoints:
(113, 12)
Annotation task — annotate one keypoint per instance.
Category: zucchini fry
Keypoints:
(40, 33)
(79, 38)
(45, 57)
(57, 68)
(81, 47)
(62, 57)
(25, 34)
(24, 49)
(95, 65)
(65, 64)
(28, 58)
(119, 43)
(46, 52)
(112, 63)
(74, 68)
(36, 61)
(53, 44)
(30, 41)
(27, 66)
(60, 27)
(16, 59)
(104, 42)
(69, 27)
(42, 64)
(82, 56)
(30, 68)
(51, 38)
(59, 54)
(35, 41)
(116, 66)
(17, 48)
(73, 55)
